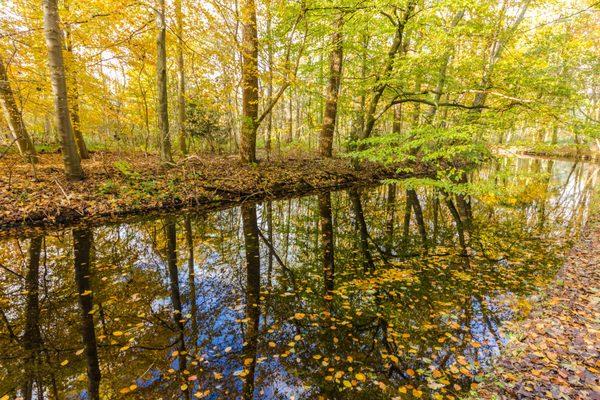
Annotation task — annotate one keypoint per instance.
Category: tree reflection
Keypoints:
(82, 243)
(365, 294)
(252, 250)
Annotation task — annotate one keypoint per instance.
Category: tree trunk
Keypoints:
(290, 127)
(53, 34)
(495, 54)
(249, 82)
(417, 106)
(161, 78)
(180, 80)
(381, 80)
(335, 75)
(397, 125)
(269, 80)
(432, 111)
(14, 118)
(82, 243)
(71, 71)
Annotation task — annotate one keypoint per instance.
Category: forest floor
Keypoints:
(554, 352)
(120, 183)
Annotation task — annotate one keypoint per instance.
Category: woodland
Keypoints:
(299, 199)
(257, 78)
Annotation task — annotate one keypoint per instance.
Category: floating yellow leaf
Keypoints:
(65, 362)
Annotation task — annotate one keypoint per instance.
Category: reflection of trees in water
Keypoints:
(417, 296)
(82, 244)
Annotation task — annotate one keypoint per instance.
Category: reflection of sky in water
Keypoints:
(450, 290)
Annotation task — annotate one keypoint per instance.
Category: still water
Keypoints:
(364, 293)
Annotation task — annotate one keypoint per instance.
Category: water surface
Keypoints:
(373, 293)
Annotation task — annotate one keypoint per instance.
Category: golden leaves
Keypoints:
(128, 389)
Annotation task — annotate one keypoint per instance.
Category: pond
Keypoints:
(364, 293)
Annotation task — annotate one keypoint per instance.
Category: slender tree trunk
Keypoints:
(252, 250)
(381, 81)
(82, 243)
(161, 78)
(495, 54)
(555, 134)
(14, 118)
(53, 35)
(359, 123)
(183, 147)
(417, 106)
(441, 83)
(290, 127)
(397, 125)
(71, 72)
(249, 82)
(335, 76)
(269, 80)
(326, 228)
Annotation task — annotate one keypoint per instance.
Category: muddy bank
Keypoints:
(124, 184)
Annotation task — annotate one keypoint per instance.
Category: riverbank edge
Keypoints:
(124, 185)
(552, 351)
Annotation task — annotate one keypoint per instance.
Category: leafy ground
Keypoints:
(555, 352)
(118, 184)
